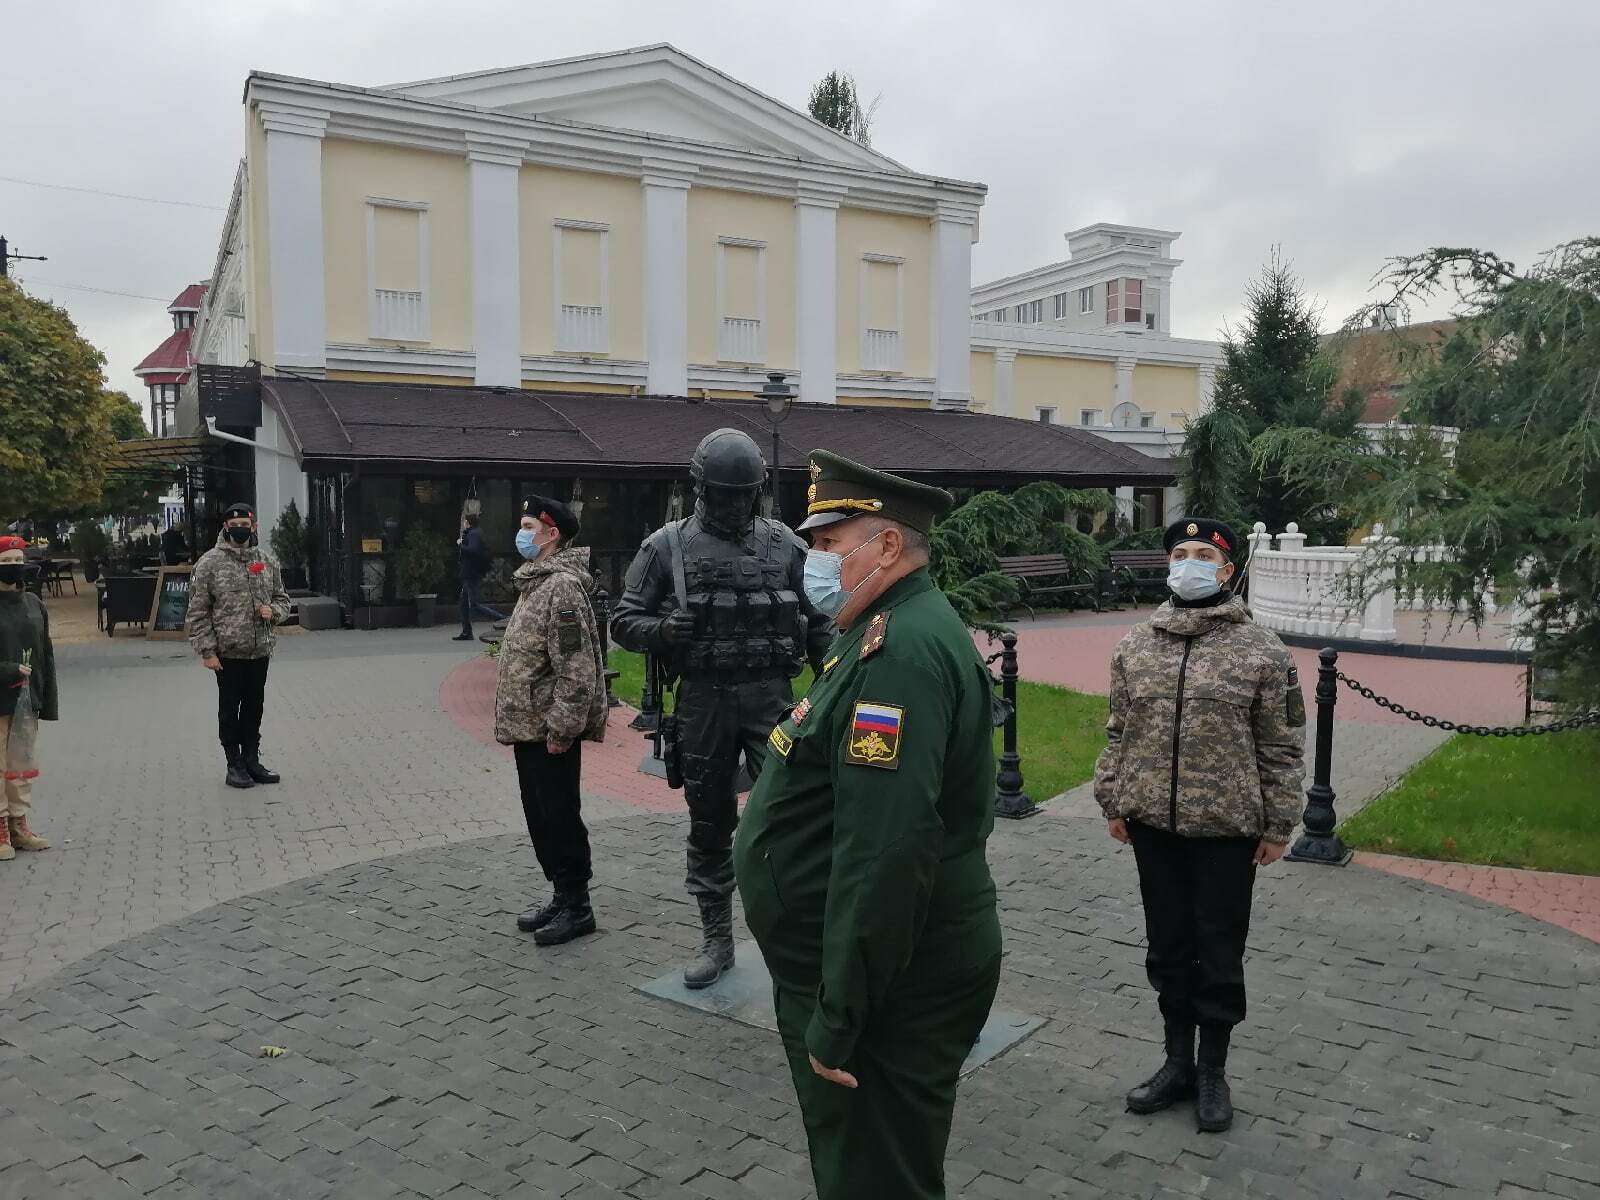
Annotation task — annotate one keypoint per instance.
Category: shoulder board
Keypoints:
(877, 634)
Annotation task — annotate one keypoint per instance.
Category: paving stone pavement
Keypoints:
(1402, 1043)
(145, 831)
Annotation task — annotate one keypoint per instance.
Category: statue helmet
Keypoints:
(728, 458)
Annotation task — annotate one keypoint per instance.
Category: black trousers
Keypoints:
(715, 722)
(241, 697)
(550, 802)
(1196, 916)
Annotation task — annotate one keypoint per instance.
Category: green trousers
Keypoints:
(886, 1139)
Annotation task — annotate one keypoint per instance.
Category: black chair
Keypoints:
(60, 573)
(127, 600)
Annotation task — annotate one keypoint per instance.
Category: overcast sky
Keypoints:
(1344, 132)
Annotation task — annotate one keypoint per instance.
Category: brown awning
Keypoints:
(335, 424)
(146, 455)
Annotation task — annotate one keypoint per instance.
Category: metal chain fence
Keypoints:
(1574, 722)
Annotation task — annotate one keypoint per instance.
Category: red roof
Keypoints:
(171, 356)
(189, 299)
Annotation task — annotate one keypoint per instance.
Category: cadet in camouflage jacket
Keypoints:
(1207, 728)
(226, 591)
(551, 680)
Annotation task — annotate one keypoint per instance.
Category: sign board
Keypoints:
(171, 604)
(372, 545)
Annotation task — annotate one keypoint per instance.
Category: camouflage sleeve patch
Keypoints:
(569, 632)
(874, 740)
(1294, 701)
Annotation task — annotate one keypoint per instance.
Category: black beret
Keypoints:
(234, 511)
(1201, 529)
(552, 512)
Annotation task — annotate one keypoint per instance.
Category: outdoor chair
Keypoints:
(128, 600)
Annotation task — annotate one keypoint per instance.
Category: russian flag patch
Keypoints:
(874, 739)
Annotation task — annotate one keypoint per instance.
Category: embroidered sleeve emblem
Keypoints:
(874, 739)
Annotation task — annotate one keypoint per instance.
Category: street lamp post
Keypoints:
(780, 399)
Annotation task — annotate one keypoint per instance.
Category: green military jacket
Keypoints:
(1207, 730)
(550, 682)
(226, 591)
(860, 856)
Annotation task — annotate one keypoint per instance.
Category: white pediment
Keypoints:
(655, 90)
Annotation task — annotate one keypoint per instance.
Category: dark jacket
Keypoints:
(474, 557)
(25, 628)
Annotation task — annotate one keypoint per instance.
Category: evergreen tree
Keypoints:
(836, 102)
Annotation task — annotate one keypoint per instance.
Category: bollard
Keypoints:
(1319, 843)
(602, 612)
(1009, 800)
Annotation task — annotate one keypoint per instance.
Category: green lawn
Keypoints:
(1058, 736)
(1511, 802)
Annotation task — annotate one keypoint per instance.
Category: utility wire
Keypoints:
(78, 287)
(63, 187)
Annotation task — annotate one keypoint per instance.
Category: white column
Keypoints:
(666, 279)
(294, 237)
(816, 297)
(1124, 383)
(1172, 502)
(1125, 506)
(953, 226)
(493, 170)
(1005, 377)
(1377, 619)
(1205, 383)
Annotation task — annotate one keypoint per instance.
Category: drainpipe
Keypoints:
(211, 428)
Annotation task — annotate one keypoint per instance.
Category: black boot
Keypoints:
(238, 777)
(1175, 1080)
(251, 757)
(716, 950)
(574, 919)
(538, 918)
(1214, 1109)
(464, 636)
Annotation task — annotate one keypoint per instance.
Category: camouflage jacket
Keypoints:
(1207, 728)
(551, 684)
(226, 591)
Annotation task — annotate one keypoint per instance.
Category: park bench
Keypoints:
(1035, 571)
(1137, 571)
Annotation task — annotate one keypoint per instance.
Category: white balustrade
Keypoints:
(880, 350)
(582, 329)
(399, 316)
(739, 340)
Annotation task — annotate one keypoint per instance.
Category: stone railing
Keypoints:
(1319, 590)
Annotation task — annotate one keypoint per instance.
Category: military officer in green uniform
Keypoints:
(860, 857)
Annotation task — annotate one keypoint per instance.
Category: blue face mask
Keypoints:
(527, 545)
(823, 582)
(1193, 579)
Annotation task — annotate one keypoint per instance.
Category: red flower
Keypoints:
(257, 567)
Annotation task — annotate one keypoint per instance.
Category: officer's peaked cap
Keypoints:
(841, 489)
(1201, 529)
(549, 511)
(728, 458)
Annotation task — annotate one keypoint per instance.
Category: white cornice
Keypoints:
(294, 118)
(1043, 282)
(505, 152)
(366, 115)
(1151, 348)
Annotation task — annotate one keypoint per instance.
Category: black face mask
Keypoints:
(13, 574)
(237, 536)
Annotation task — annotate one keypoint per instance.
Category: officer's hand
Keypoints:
(842, 1078)
(1118, 828)
(25, 669)
(678, 628)
(212, 662)
(1268, 853)
(265, 612)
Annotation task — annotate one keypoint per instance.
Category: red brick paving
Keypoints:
(1570, 901)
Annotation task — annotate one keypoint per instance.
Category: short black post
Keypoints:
(1319, 843)
(602, 619)
(1009, 800)
(649, 714)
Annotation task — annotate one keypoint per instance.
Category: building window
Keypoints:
(397, 270)
(1030, 313)
(1152, 308)
(1047, 416)
(1147, 420)
(582, 275)
(1124, 302)
(882, 312)
(741, 300)
(1088, 416)
(1086, 299)
(1060, 305)
(998, 316)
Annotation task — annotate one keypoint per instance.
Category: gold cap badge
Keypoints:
(1193, 529)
